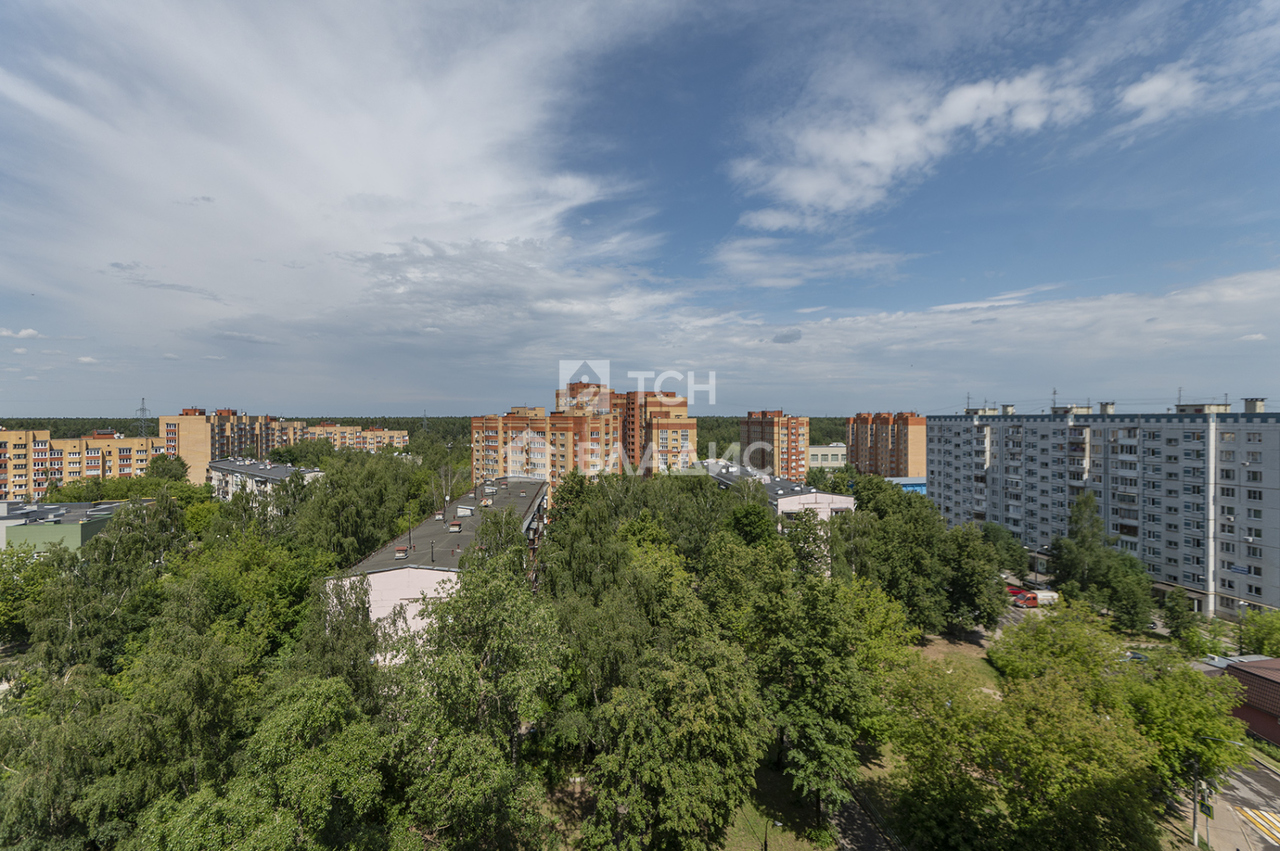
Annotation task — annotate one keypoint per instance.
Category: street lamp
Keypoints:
(1195, 794)
(766, 832)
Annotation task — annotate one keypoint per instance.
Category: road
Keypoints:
(1255, 795)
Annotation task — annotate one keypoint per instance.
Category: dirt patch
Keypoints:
(940, 648)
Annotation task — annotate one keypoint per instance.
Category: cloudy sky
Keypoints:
(384, 208)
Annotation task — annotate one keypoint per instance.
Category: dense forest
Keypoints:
(189, 680)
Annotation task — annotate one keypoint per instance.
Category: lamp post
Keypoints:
(766, 832)
(1195, 794)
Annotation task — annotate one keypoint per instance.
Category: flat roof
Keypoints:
(434, 546)
(256, 469)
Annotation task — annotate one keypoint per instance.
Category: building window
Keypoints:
(1254, 590)
(1253, 475)
(1254, 437)
(1254, 495)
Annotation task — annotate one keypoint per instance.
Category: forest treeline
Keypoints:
(193, 681)
(445, 429)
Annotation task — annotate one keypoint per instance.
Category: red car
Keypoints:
(1013, 590)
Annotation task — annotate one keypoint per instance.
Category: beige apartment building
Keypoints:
(776, 443)
(200, 437)
(889, 445)
(592, 430)
(30, 461)
(355, 437)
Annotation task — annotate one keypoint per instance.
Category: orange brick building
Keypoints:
(592, 430)
(889, 445)
(776, 443)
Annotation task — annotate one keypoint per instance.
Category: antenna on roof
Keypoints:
(1055, 397)
(142, 414)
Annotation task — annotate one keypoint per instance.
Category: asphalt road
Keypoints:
(1255, 795)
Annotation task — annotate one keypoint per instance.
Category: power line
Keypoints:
(142, 424)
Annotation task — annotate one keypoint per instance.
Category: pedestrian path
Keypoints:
(1268, 823)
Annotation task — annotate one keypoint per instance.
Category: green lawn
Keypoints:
(773, 801)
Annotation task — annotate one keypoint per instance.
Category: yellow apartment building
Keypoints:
(30, 461)
(200, 437)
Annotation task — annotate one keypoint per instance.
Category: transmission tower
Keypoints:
(142, 424)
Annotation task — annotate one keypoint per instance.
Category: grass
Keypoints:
(964, 656)
(774, 801)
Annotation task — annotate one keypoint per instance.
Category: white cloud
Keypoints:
(1161, 93)
(24, 334)
(841, 152)
(1254, 337)
(20, 351)
(773, 262)
(86, 360)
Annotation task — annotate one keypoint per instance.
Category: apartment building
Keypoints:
(592, 430)
(230, 476)
(30, 461)
(831, 457)
(355, 437)
(200, 437)
(889, 445)
(1194, 493)
(776, 443)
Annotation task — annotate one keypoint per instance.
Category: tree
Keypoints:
(1183, 623)
(679, 745)
(1260, 632)
(472, 686)
(975, 591)
(168, 467)
(1011, 556)
(22, 575)
(753, 523)
(824, 649)
(808, 540)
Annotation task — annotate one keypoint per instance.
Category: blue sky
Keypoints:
(340, 208)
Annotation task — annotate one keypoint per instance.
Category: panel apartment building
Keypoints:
(1193, 493)
(592, 430)
(30, 461)
(776, 443)
(889, 445)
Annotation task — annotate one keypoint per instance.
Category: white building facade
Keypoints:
(1194, 494)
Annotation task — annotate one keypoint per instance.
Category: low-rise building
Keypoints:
(70, 524)
(233, 475)
(831, 457)
(426, 559)
(787, 498)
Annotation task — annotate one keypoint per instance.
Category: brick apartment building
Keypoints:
(592, 430)
(889, 445)
(30, 460)
(776, 443)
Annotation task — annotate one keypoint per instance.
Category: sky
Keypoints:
(397, 208)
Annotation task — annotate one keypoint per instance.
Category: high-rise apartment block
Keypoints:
(30, 460)
(776, 443)
(592, 430)
(889, 445)
(1193, 493)
(201, 437)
